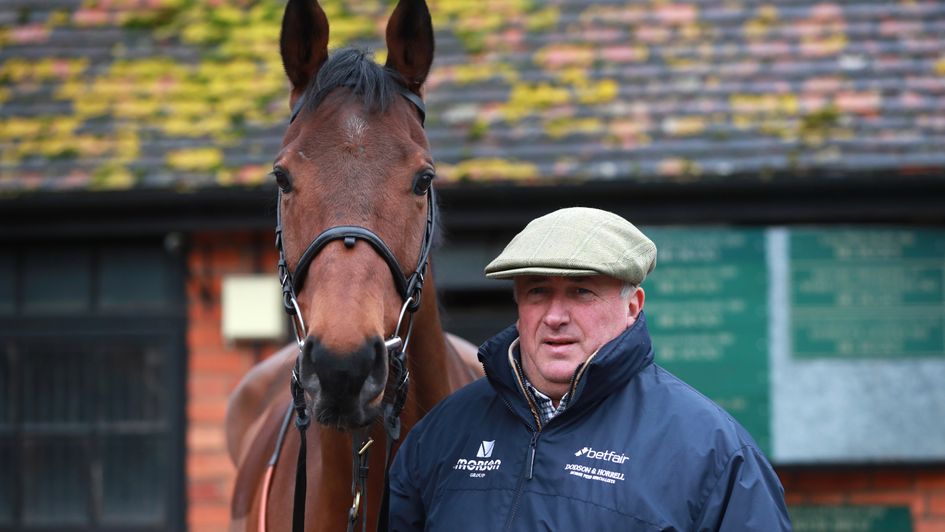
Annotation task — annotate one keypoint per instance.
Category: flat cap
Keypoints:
(577, 241)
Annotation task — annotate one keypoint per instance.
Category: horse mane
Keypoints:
(355, 69)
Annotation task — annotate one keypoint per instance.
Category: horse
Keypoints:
(355, 178)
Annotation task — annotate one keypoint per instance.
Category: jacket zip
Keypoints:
(529, 470)
(531, 459)
(532, 446)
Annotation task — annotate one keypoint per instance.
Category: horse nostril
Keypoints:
(307, 348)
(380, 350)
(342, 375)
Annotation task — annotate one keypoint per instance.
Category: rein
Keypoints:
(395, 394)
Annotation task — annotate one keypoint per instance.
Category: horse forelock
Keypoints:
(348, 191)
(355, 69)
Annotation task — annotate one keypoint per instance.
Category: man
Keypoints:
(574, 426)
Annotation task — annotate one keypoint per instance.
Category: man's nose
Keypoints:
(558, 313)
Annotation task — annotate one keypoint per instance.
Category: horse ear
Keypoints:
(304, 43)
(410, 42)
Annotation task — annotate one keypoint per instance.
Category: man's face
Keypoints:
(562, 320)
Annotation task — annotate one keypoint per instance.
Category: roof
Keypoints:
(190, 94)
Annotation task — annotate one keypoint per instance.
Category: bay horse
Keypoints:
(355, 211)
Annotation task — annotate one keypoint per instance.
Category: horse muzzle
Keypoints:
(345, 388)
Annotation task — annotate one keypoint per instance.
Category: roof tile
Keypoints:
(187, 94)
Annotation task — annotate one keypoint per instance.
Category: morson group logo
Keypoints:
(485, 450)
(479, 467)
(607, 456)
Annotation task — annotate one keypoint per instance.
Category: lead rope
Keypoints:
(393, 405)
(271, 467)
(302, 421)
(360, 453)
(392, 431)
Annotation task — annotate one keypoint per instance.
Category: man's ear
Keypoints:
(635, 305)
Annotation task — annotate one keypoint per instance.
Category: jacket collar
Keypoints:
(611, 367)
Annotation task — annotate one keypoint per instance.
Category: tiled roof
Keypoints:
(190, 94)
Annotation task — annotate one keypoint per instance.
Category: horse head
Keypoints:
(355, 206)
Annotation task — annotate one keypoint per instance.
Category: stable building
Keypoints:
(786, 159)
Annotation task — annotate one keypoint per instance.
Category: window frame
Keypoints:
(138, 326)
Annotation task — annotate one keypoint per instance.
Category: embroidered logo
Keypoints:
(599, 474)
(608, 456)
(479, 468)
(485, 449)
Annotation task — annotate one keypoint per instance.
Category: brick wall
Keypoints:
(215, 367)
(921, 488)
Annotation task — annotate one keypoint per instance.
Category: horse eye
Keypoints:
(283, 179)
(421, 183)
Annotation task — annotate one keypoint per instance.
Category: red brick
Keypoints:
(210, 465)
(929, 525)
(936, 504)
(201, 492)
(220, 349)
(203, 335)
(211, 385)
(232, 260)
(206, 438)
(208, 517)
(197, 260)
(914, 500)
(829, 499)
(211, 410)
(219, 363)
(794, 498)
(834, 480)
(198, 311)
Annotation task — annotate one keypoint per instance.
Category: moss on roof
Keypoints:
(188, 94)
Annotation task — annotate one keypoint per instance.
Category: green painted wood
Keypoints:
(706, 304)
(851, 518)
(845, 282)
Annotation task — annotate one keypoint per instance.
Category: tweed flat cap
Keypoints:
(577, 241)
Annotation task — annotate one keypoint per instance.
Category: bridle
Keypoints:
(409, 287)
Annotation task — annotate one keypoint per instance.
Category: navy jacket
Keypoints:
(636, 449)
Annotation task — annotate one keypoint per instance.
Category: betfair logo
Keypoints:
(609, 456)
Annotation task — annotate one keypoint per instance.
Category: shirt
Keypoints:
(546, 407)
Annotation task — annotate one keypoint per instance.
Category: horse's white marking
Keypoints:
(354, 129)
